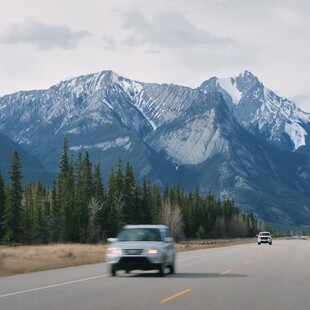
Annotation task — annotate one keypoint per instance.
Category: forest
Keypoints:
(80, 208)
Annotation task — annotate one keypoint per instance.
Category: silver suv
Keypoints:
(264, 237)
(142, 247)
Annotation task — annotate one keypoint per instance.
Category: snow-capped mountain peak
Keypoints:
(230, 86)
(175, 134)
(260, 111)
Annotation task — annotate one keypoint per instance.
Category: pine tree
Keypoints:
(66, 196)
(138, 210)
(129, 196)
(111, 226)
(13, 210)
(40, 229)
(118, 194)
(156, 204)
(100, 199)
(146, 202)
(84, 189)
(27, 223)
(2, 202)
(56, 227)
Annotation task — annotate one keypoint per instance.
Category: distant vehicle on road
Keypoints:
(264, 237)
(142, 247)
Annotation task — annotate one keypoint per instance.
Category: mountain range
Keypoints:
(233, 137)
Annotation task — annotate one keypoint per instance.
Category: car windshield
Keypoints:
(264, 234)
(139, 234)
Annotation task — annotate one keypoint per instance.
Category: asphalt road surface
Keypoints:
(239, 277)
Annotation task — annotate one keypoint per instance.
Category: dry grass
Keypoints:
(211, 243)
(24, 259)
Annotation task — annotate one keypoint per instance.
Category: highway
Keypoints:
(239, 277)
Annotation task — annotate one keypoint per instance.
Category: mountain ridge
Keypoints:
(260, 111)
(174, 134)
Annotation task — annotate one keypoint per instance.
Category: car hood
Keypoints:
(137, 244)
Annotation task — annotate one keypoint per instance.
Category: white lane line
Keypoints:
(192, 257)
(93, 278)
(210, 254)
(53, 285)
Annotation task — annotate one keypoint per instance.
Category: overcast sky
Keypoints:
(43, 42)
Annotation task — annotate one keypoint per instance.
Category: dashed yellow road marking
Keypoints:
(175, 295)
(260, 255)
(226, 272)
(249, 261)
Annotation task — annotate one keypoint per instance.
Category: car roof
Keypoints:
(145, 226)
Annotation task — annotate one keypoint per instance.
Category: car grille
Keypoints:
(133, 251)
(134, 260)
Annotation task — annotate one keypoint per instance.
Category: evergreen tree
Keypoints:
(2, 202)
(112, 222)
(56, 228)
(100, 198)
(66, 196)
(156, 204)
(129, 196)
(40, 229)
(139, 213)
(27, 223)
(84, 189)
(146, 202)
(13, 210)
(118, 194)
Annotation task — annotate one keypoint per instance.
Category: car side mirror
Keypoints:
(168, 239)
(111, 240)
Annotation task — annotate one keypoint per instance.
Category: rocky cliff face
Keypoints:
(263, 113)
(226, 136)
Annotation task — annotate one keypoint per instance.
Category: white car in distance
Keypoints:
(264, 237)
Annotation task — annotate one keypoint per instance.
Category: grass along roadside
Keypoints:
(24, 259)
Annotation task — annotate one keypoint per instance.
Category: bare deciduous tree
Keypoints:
(93, 229)
(171, 215)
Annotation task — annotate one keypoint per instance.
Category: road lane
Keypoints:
(237, 277)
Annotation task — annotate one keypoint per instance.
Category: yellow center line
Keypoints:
(249, 261)
(226, 272)
(260, 255)
(175, 295)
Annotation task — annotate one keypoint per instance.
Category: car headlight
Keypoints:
(153, 251)
(114, 251)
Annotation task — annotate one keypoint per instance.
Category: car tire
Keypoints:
(270, 243)
(161, 270)
(113, 271)
(258, 243)
(172, 266)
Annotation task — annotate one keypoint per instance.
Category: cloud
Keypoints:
(108, 43)
(169, 30)
(42, 35)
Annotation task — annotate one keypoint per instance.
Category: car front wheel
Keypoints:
(172, 266)
(113, 271)
(161, 270)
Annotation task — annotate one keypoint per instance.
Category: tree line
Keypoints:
(79, 207)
